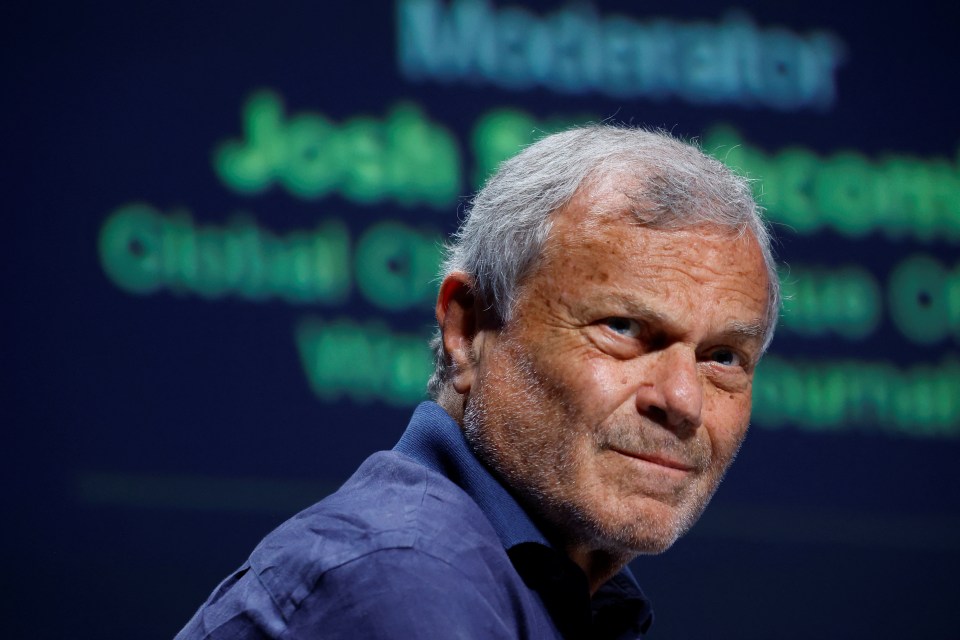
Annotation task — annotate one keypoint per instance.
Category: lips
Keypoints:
(658, 459)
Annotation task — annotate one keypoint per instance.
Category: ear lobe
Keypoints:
(458, 322)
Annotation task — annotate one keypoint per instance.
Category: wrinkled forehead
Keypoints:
(611, 201)
(602, 230)
(608, 199)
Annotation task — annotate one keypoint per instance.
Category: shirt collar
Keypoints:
(436, 441)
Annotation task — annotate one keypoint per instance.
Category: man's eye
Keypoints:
(624, 326)
(726, 357)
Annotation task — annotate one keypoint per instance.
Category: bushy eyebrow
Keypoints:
(747, 331)
(755, 329)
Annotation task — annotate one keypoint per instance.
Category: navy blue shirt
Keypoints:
(421, 542)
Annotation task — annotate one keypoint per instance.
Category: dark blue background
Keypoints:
(153, 440)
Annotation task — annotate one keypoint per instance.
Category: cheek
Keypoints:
(555, 366)
(600, 395)
(727, 420)
(597, 384)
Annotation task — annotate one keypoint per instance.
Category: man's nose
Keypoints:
(672, 393)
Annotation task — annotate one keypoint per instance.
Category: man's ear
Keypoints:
(458, 319)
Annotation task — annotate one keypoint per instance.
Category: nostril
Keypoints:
(657, 414)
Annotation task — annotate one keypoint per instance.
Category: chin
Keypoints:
(649, 530)
(642, 540)
(653, 545)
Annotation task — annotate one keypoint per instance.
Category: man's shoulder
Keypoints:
(391, 501)
(398, 544)
(391, 504)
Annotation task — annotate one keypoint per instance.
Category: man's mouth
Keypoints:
(658, 459)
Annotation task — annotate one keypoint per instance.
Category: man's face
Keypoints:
(619, 393)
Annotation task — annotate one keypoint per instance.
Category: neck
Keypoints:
(598, 565)
(451, 402)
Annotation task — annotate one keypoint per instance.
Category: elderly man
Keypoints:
(600, 316)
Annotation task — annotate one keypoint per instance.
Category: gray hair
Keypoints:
(674, 185)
